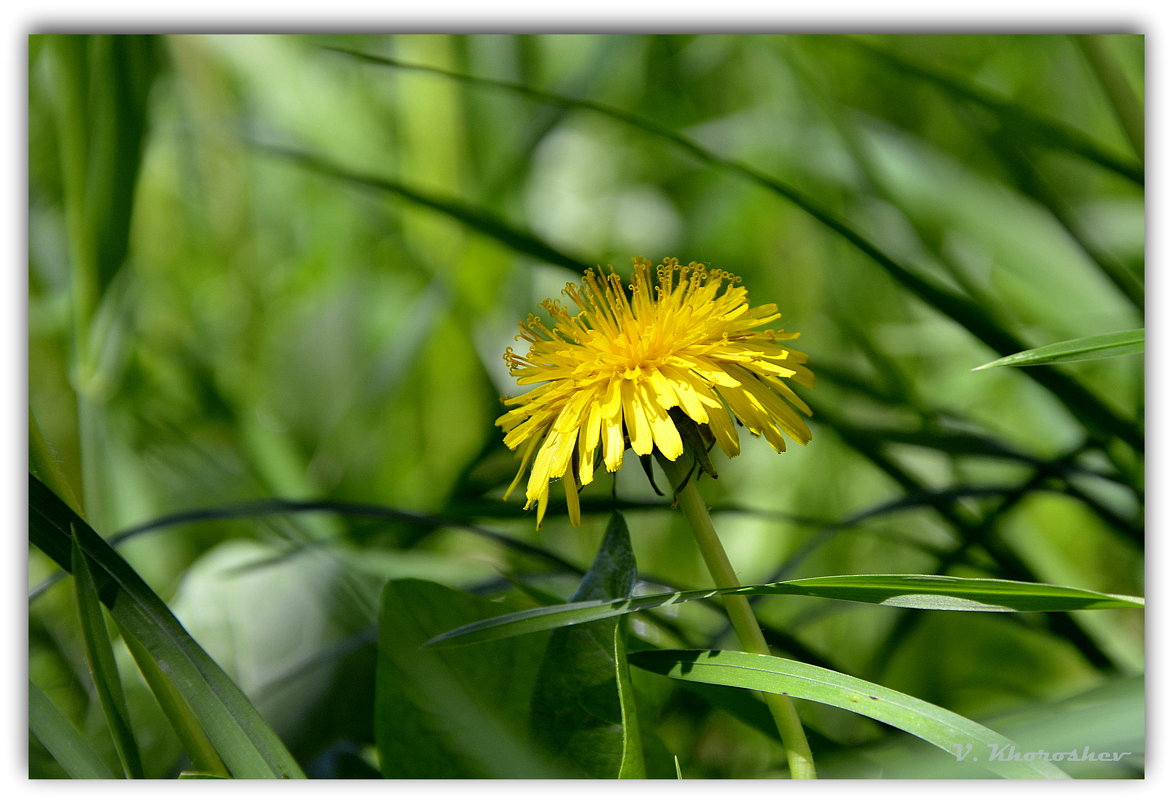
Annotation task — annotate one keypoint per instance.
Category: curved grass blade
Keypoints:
(474, 217)
(1082, 403)
(279, 506)
(243, 740)
(965, 739)
(74, 753)
(104, 671)
(1098, 346)
(944, 593)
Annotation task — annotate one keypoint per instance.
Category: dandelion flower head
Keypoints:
(635, 363)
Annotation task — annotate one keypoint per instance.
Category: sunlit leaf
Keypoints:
(967, 740)
(1097, 346)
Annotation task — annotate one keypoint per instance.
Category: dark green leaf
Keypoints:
(104, 671)
(451, 715)
(583, 706)
(74, 753)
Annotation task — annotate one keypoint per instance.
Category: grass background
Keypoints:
(263, 267)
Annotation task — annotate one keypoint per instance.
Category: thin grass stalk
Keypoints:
(740, 613)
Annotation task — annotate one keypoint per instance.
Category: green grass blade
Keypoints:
(74, 753)
(474, 217)
(944, 593)
(100, 655)
(199, 748)
(247, 745)
(1097, 346)
(965, 739)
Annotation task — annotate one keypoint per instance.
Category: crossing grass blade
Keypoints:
(74, 753)
(965, 739)
(100, 655)
(248, 747)
(474, 217)
(1098, 346)
(942, 593)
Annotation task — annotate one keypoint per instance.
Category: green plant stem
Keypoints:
(740, 613)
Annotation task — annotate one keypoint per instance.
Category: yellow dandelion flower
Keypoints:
(612, 373)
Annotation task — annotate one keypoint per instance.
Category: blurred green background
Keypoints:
(266, 267)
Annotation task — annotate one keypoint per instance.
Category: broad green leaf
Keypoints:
(243, 740)
(74, 753)
(1098, 346)
(452, 715)
(965, 739)
(583, 705)
(910, 591)
(104, 671)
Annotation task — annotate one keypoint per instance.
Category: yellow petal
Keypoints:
(572, 505)
(663, 428)
(635, 416)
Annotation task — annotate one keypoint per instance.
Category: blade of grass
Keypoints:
(946, 593)
(472, 216)
(1097, 346)
(103, 85)
(104, 671)
(186, 726)
(244, 741)
(74, 753)
(964, 738)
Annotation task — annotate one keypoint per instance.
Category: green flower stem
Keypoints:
(744, 623)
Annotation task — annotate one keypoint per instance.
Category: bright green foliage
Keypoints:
(1098, 346)
(270, 280)
(771, 674)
